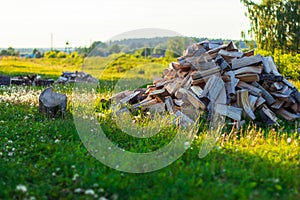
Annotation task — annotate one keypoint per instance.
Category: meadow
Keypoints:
(44, 158)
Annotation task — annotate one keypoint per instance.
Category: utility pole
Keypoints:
(51, 41)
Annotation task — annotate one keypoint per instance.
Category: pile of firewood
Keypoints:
(72, 77)
(216, 77)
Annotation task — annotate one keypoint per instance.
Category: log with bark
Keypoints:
(51, 103)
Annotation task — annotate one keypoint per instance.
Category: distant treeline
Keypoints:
(164, 46)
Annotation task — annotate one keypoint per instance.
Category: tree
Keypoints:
(176, 46)
(114, 49)
(275, 24)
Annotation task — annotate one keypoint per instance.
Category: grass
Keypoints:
(47, 156)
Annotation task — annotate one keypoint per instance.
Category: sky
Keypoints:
(29, 23)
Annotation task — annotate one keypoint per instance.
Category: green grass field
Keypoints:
(44, 158)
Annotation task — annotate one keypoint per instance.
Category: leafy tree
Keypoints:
(275, 24)
(176, 46)
(115, 48)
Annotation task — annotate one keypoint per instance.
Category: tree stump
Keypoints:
(52, 103)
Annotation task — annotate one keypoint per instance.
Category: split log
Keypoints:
(270, 100)
(128, 98)
(246, 61)
(248, 78)
(244, 70)
(271, 77)
(287, 115)
(272, 66)
(243, 102)
(229, 111)
(52, 103)
(231, 54)
(267, 115)
(169, 104)
(252, 90)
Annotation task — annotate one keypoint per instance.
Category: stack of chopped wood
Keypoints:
(216, 77)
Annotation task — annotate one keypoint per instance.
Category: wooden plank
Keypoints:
(256, 70)
(229, 111)
(287, 115)
(252, 90)
(243, 102)
(248, 77)
(231, 54)
(246, 61)
(266, 95)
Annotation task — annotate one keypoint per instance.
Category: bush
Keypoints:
(50, 54)
(62, 55)
(288, 64)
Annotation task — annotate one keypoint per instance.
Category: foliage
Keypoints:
(275, 24)
(9, 52)
(288, 64)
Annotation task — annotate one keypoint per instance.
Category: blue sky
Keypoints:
(30, 23)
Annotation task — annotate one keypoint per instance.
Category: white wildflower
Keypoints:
(56, 141)
(102, 198)
(101, 190)
(187, 145)
(21, 188)
(289, 140)
(78, 190)
(89, 192)
(75, 177)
